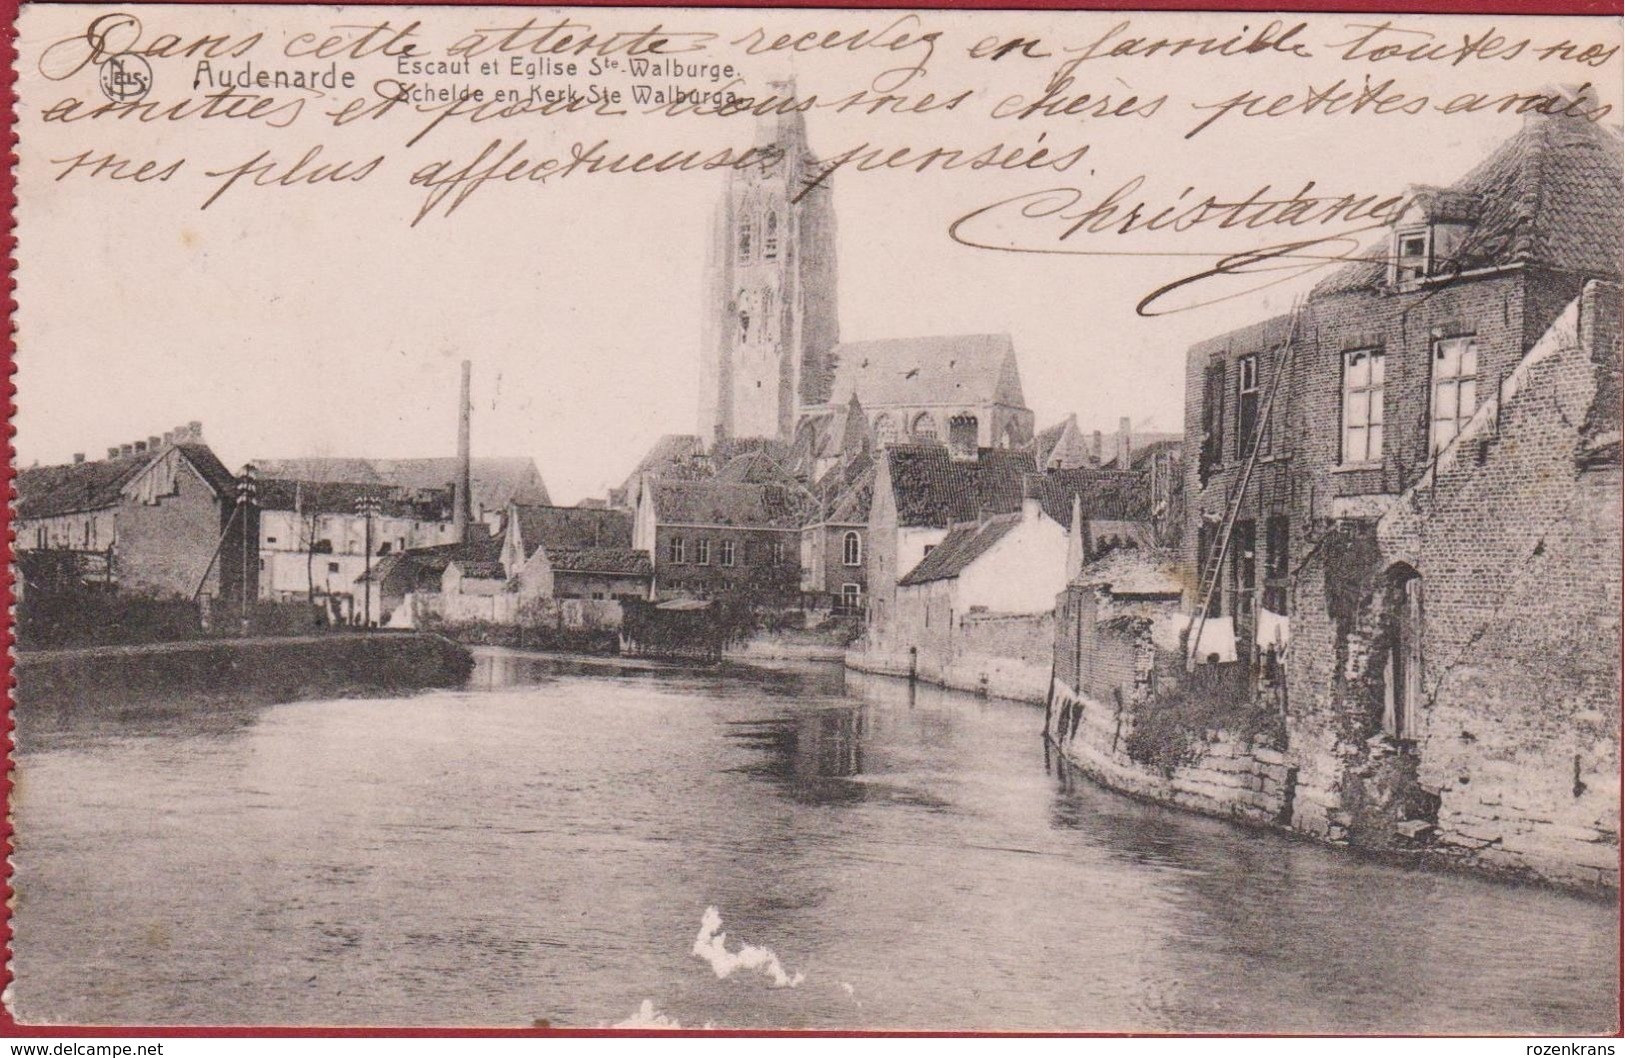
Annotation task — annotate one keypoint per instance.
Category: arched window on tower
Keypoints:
(924, 428)
(744, 327)
(885, 430)
(962, 434)
(747, 235)
(852, 549)
(770, 235)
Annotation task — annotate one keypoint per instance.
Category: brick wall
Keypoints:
(164, 548)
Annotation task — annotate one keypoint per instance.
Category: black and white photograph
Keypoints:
(757, 519)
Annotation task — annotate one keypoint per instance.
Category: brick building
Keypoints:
(1421, 474)
(714, 537)
(157, 518)
(574, 553)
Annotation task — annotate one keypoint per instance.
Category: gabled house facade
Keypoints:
(1415, 438)
(710, 538)
(159, 518)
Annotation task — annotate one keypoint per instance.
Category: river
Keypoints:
(585, 844)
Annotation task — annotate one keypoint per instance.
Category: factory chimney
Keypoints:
(462, 505)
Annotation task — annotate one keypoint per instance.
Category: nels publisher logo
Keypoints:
(126, 78)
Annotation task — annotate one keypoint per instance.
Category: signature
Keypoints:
(1121, 223)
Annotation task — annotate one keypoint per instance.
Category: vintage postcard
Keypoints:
(627, 518)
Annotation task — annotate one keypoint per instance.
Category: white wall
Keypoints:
(1022, 573)
(911, 545)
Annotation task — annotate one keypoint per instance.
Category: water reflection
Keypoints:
(545, 842)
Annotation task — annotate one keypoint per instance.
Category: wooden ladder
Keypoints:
(1213, 572)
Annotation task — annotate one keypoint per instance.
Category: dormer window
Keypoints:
(1413, 252)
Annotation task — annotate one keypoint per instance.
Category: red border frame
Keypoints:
(10, 1028)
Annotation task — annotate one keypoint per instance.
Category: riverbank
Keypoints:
(993, 677)
(1239, 781)
(280, 668)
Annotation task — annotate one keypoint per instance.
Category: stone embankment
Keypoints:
(269, 669)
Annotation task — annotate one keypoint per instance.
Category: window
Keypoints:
(778, 552)
(1411, 254)
(744, 327)
(262, 565)
(270, 540)
(1246, 406)
(1206, 547)
(1244, 567)
(1455, 388)
(1362, 406)
(1402, 667)
(727, 556)
(675, 551)
(885, 430)
(702, 552)
(1277, 563)
(851, 596)
(332, 567)
(1212, 454)
(852, 549)
(924, 428)
(770, 237)
(747, 234)
(963, 434)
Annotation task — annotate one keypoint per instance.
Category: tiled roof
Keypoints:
(673, 455)
(342, 497)
(1550, 195)
(843, 493)
(951, 369)
(434, 560)
(498, 480)
(931, 488)
(730, 503)
(964, 544)
(1104, 494)
(755, 468)
(1044, 444)
(45, 492)
(572, 527)
(203, 459)
(481, 569)
(1135, 572)
(621, 560)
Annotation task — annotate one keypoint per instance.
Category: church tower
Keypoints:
(770, 318)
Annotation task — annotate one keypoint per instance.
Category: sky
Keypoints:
(317, 320)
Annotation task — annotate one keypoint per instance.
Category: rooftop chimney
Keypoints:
(1125, 436)
(140, 447)
(1095, 448)
(113, 452)
(78, 457)
(462, 505)
(194, 430)
(169, 437)
(152, 443)
(126, 450)
(1031, 490)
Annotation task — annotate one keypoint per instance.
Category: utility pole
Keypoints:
(462, 501)
(247, 494)
(367, 506)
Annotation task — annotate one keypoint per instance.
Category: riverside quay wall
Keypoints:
(285, 668)
(1445, 688)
